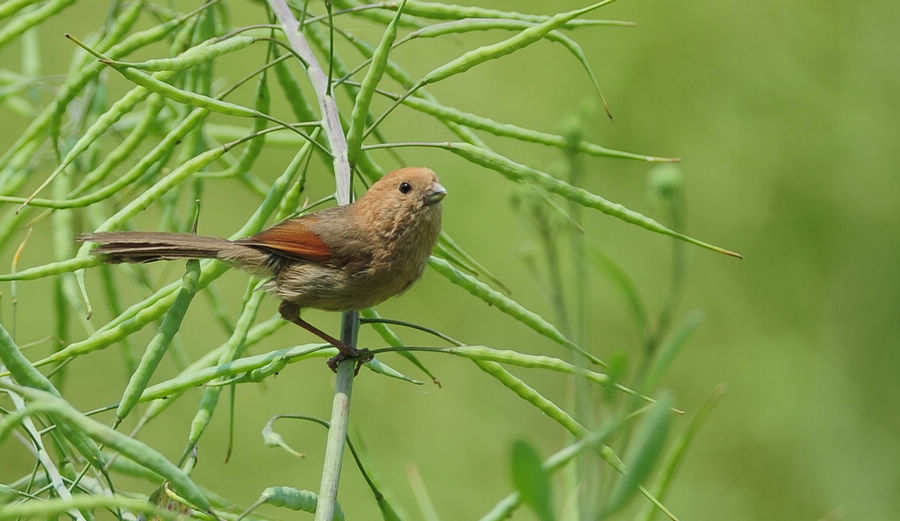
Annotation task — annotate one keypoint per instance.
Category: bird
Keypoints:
(342, 258)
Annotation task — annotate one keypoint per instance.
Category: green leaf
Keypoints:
(531, 480)
(676, 454)
(626, 286)
(670, 348)
(646, 448)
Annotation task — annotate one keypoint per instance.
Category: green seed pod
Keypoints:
(367, 89)
(201, 53)
(160, 343)
(519, 172)
(505, 304)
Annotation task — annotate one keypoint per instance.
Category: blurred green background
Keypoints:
(785, 115)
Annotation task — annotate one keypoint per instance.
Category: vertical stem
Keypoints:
(331, 124)
(586, 474)
(330, 119)
(340, 418)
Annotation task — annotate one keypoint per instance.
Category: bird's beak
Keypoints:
(436, 193)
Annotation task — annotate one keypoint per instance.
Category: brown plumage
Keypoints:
(337, 259)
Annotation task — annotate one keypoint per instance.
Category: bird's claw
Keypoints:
(351, 353)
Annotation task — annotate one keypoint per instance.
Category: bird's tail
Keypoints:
(153, 246)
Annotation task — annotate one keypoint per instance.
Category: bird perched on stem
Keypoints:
(338, 259)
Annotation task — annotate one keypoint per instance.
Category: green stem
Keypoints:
(331, 125)
(340, 418)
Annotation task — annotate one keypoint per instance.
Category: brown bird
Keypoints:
(338, 259)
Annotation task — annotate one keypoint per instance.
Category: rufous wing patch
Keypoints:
(292, 238)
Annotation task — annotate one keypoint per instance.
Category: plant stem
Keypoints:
(340, 418)
(331, 121)
(331, 124)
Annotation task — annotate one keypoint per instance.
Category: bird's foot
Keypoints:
(350, 353)
(291, 312)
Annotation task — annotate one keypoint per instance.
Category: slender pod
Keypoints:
(193, 56)
(53, 268)
(134, 318)
(146, 162)
(160, 343)
(251, 369)
(168, 397)
(516, 358)
(175, 178)
(519, 172)
(98, 128)
(376, 13)
(137, 451)
(451, 249)
(183, 96)
(114, 47)
(321, 38)
(388, 335)
(124, 150)
(497, 128)
(552, 410)
(443, 11)
(508, 46)
(255, 146)
(505, 304)
(367, 88)
(20, 24)
(293, 499)
(11, 7)
(19, 168)
(469, 25)
(379, 367)
(52, 508)
(532, 396)
(202, 373)
(405, 79)
(151, 308)
(508, 356)
(26, 374)
(490, 52)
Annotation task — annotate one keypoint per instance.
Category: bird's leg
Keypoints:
(291, 313)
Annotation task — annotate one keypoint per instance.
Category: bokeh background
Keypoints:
(785, 115)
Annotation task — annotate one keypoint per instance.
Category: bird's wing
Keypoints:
(294, 239)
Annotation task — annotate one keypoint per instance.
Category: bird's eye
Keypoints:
(405, 187)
